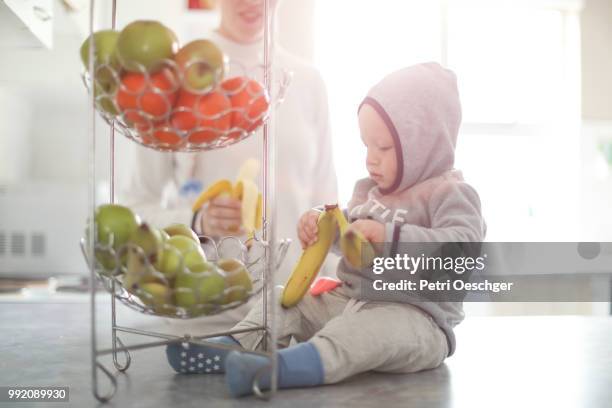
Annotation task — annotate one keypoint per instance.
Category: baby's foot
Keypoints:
(298, 366)
(189, 358)
(241, 371)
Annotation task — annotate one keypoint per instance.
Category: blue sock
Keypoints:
(298, 366)
(189, 358)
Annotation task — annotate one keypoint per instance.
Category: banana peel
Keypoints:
(245, 190)
(356, 249)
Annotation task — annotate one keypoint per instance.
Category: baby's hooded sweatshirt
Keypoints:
(428, 201)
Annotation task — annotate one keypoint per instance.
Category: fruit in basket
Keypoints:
(181, 229)
(311, 260)
(165, 133)
(250, 103)
(145, 101)
(106, 63)
(145, 45)
(202, 64)
(114, 225)
(145, 248)
(175, 249)
(105, 98)
(205, 116)
(156, 295)
(237, 280)
(200, 284)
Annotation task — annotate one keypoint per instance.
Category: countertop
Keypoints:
(561, 361)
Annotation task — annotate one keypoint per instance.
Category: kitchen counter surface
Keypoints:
(500, 361)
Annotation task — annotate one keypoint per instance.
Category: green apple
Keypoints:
(176, 248)
(105, 56)
(156, 295)
(202, 284)
(237, 280)
(114, 225)
(144, 45)
(202, 64)
(181, 229)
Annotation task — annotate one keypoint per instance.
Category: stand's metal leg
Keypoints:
(126, 354)
(110, 376)
(115, 339)
(269, 235)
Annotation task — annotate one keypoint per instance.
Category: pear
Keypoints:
(106, 63)
(237, 280)
(156, 295)
(201, 284)
(175, 249)
(164, 235)
(114, 225)
(181, 229)
(145, 249)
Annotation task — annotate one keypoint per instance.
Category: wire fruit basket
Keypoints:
(163, 111)
(231, 275)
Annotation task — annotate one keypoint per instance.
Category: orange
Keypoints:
(164, 133)
(209, 110)
(250, 102)
(140, 97)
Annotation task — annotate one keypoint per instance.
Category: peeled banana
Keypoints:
(244, 189)
(309, 264)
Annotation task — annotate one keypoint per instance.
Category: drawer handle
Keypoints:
(41, 13)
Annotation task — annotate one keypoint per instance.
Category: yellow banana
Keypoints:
(309, 264)
(357, 250)
(244, 190)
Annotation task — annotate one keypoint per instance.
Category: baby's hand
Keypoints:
(307, 228)
(372, 230)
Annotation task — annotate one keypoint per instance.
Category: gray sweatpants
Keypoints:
(355, 336)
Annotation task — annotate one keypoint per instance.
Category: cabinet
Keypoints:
(26, 23)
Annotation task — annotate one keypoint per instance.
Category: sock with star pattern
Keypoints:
(189, 358)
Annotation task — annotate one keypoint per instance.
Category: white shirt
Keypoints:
(305, 174)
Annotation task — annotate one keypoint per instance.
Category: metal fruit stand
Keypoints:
(268, 261)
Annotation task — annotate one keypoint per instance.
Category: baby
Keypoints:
(409, 123)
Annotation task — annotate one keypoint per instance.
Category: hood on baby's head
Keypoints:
(420, 105)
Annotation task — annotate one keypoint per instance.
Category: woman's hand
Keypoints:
(222, 217)
(307, 229)
(373, 231)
